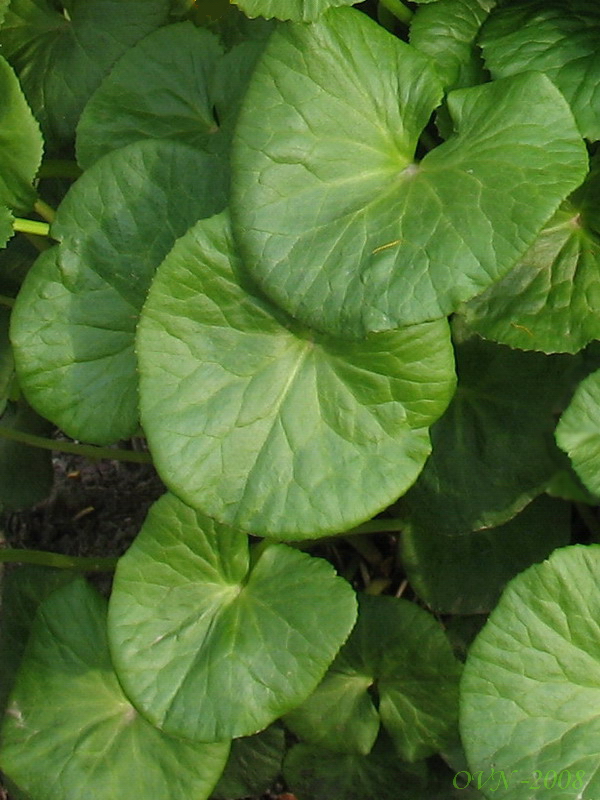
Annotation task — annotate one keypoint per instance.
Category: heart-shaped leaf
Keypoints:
(578, 432)
(74, 320)
(71, 734)
(557, 37)
(61, 55)
(335, 218)
(398, 649)
(266, 425)
(221, 613)
(531, 684)
(296, 10)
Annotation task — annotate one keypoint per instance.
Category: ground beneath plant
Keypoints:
(96, 508)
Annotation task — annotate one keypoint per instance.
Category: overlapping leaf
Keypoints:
(176, 83)
(338, 222)
(531, 685)
(466, 574)
(26, 474)
(398, 649)
(214, 644)
(578, 432)
(71, 734)
(74, 320)
(61, 56)
(493, 450)
(266, 425)
(296, 10)
(551, 300)
(560, 38)
(254, 765)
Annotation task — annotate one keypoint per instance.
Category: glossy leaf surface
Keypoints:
(266, 425)
(296, 10)
(578, 432)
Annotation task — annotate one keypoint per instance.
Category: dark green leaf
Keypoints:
(266, 425)
(61, 56)
(238, 641)
(71, 734)
(334, 217)
(254, 765)
(297, 10)
(578, 432)
(531, 685)
(466, 574)
(74, 320)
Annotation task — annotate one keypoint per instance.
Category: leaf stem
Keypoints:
(45, 559)
(7, 301)
(399, 10)
(31, 226)
(44, 210)
(87, 450)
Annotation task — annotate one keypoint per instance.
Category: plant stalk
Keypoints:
(45, 559)
(31, 226)
(399, 10)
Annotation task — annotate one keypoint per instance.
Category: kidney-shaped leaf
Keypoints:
(336, 219)
(61, 56)
(74, 321)
(578, 432)
(560, 38)
(296, 10)
(212, 644)
(71, 734)
(399, 649)
(266, 425)
(531, 685)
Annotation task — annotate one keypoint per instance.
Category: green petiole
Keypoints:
(57, 560)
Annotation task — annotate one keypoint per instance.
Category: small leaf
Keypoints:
(265, 425)
(531, 684)
(296, 10)
(71, 734)
(466, 574)
(578, 432)
(334, 217)
(236, 644)
(253, 766)
(401, 651)
(557, 37)
(74, 320)
(61, 56)
(21, 144)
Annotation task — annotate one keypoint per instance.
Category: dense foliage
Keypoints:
(341, 268)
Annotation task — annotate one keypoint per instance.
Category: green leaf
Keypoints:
(7, 366)
(6, 225)
(493, 450)
(531, 685)
(18, 460)
(71, 734)
(230, 625)
(560, 38)
(61, 57)
(578, 432)
(466, 574)
(74, 320)
(334, 217)
(446, 31)
(265, 425)
(23, 589)
(175, 84)
(398, 649)
(551, 300)
(21, 144)
(296, 10)
(254, 765)
(317, 774)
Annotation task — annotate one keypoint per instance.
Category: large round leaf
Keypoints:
(578, 432)
(560, 38)
(531, 685)
(71, 734)
(297, 10)
(399, 650)
(211, 644)
(21, 144)
(176, 83)
(61, 56)
(266, 425)
(551, 300)
(335, 218)
(74, 320)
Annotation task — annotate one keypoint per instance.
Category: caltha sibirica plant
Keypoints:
(340, 267)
